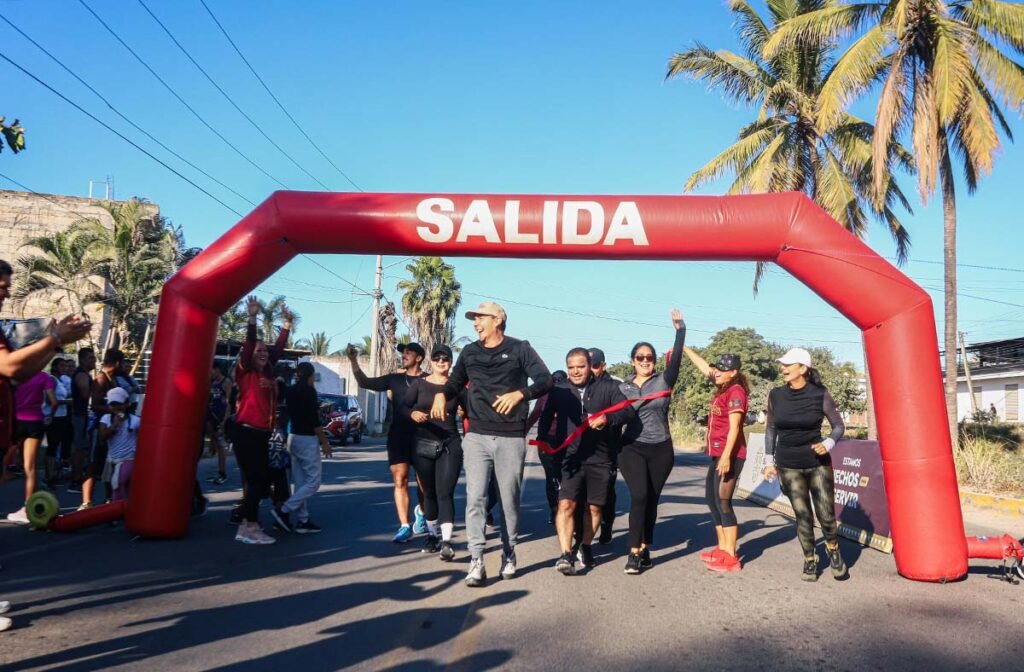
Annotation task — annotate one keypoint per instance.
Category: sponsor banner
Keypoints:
(861, 507)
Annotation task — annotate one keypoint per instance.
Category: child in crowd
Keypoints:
(120, 429)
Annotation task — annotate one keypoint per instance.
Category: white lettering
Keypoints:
(851, 462)
(425, 213)
(627, 225)
(570, 223)
(478, 222)
(512, 234)
(550, 223)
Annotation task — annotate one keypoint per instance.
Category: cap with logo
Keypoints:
(487, 308)
(796, 356)
(412, 347)
(596, 356)
(728, 362)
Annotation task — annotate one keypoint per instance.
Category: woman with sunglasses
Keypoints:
(438, 452)
(727, 447)
(647, 453)
(795, 451)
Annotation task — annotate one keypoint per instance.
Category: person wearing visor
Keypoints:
(498, 369)
(402, 433)
(796, 453)
(438, 452)
(727, 447)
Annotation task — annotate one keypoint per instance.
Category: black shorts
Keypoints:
(28, 429)
(590, 479)
(99, 459)
(401, 448)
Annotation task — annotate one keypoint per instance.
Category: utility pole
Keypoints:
(967, 375)
(375, 338)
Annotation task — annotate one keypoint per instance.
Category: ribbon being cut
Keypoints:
(545, 447)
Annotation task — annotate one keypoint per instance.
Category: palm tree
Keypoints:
(318, 344)
(789, 146)
(431, 298)
(945, 68)
(270, 316)
(233, 324)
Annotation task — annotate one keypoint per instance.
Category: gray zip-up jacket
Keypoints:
(651, 422)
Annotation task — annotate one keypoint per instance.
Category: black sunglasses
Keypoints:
(644, 358)
(440, 358)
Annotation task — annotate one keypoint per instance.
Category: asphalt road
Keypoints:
(350, 599)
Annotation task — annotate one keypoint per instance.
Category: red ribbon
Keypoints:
(545, 447)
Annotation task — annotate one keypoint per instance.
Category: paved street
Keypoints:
(349, 598)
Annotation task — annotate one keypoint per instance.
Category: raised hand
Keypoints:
(677, 318)
(70, 329)
(252, 305)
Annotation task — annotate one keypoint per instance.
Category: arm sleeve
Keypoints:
(379, 384)
(457, 380)
(411, 396)
(834, 419)
(245, 357)
(736, 401)
(105, 420)
(769, 435)
(537, 372)
(672, 369)
(49, 383)
(546, 416)
(279, 345)
(621, 416)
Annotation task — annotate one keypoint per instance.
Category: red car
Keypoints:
(342, 418)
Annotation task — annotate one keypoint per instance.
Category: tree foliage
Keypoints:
(13, 134)
(430, 300)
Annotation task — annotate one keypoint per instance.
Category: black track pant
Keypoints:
(805, 487)
(645, 467)
(718, 492)
(438, 478)
(253, 461)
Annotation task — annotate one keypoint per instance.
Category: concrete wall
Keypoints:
(993, 391)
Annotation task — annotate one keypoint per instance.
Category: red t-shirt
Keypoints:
(6, 404)
(257, 398)
(732, 400)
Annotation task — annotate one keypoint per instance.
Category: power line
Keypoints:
(115, 132)
(271, 93)
(229, 98)
(347, 282)
(180, 99)
(119, 113)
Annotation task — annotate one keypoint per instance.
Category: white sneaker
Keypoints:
(19, 517)
(258, 536)
(5, 606)
(508, 566)
(5, 623)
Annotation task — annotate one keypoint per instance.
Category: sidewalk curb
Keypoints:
(994, 502)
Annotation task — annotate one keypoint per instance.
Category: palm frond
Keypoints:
(739, 79)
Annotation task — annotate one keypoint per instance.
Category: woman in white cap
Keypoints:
(795, 451)
(727, 447)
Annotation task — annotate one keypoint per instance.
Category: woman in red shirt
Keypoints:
(727, 447)
(254, 420)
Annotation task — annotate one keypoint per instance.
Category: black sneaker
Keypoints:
(307, 527)
(586, 556)
(447, 552)
(565, 564)
(432, 545)
(606, 535)
(235, 518)
(810, 569)
(645, 559)
(633, 564)
(835, 561)
(489, 521)
(281, 518)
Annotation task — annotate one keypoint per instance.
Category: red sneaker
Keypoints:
(708, 556)
(726, 562)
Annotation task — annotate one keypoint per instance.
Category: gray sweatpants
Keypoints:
(504, 456)
(307, 471)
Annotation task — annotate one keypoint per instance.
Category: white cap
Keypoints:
(118, 395)
(796, 356)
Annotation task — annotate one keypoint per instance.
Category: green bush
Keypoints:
(1006, 435)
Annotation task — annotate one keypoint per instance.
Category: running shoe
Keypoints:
(251, 533)
(307, 527)
(477, 576)
(489, 521)
(835, 561)
(508, 566)
(5, 623)
(565, 564)
(403, 535)
(645, 559)
(219, 479)
(447, 552)
(432, 545)
(810, 572)
(708, 556)
(726, 562)
(281, 518)
(84, 506)
(235, 518)
(586, 556)
(19, 517)
(606, 535)
(633, 564)
(419, 526)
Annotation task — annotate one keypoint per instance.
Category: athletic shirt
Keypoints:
(794, 424)
(732, 400)
(257, 398)
(62, 389)
(218, 400)
(29, 397)
(303, 409)
(398, 384)
(80, 404)
(6, 401)
(420, 397)
(121, 444)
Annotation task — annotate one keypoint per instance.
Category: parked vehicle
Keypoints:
(342, 417)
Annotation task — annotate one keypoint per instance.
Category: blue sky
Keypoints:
(529, 97)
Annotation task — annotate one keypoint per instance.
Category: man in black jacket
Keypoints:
(497, 369)
(590, 459)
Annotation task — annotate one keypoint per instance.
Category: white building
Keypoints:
(997, 378)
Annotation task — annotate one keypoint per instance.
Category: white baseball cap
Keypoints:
(118, 395)
(796, 356)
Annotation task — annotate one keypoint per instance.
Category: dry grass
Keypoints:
(687, 436)
(990, 467)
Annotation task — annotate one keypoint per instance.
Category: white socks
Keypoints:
(446, 531)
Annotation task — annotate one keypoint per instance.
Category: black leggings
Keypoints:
(645, 467)
(718, 492)
(253, 461)
(552, 477)
(438, 478)
(58, 438)
(805, 487)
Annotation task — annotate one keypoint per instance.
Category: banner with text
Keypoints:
(861, 507)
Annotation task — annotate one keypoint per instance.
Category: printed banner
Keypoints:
(861, 507)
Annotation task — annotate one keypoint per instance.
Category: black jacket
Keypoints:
(568, 406)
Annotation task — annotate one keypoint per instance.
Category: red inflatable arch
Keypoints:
(787, 229)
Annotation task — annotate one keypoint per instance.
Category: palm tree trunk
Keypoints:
(949, 259)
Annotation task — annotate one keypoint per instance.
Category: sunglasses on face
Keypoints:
(440, 358)
(644, 358)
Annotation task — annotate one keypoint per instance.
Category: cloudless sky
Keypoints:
(526, 97)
